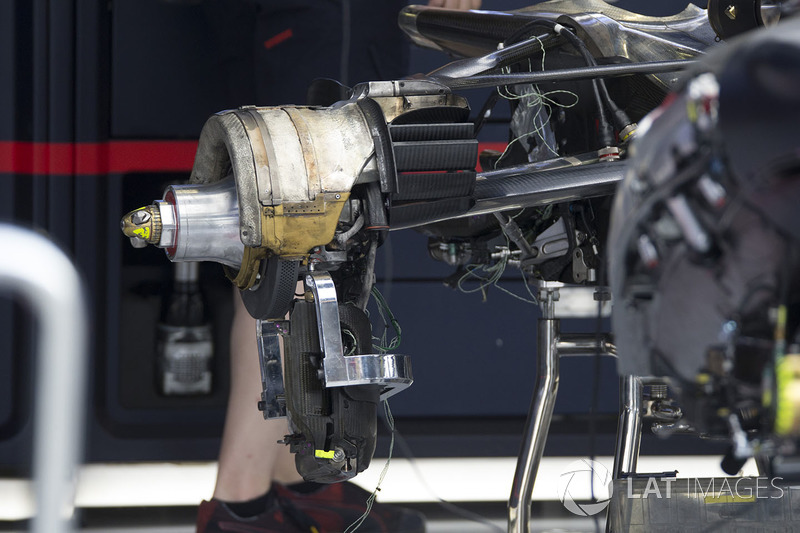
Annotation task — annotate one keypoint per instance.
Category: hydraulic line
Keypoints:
(605, 129)
(485, 111)
(619, 116)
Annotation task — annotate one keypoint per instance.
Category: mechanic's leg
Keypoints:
(250, 456)
(285, 470)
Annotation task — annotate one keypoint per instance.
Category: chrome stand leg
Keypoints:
(39, 272)
(629, 430)
(540, 414)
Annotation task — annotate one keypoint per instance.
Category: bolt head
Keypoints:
(140, 217)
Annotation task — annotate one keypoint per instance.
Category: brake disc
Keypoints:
(272, 297)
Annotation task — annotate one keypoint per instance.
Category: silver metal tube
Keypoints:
(187, 271)
(586, 344)
(538, 424)
(37, 270)
(567, 74)
(629, 430)
(206, 223)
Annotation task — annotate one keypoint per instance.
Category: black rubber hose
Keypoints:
(480, 120)
(381, 138)
(604, 126)
(619, 116)
(605, 129)
(376, 211)
(483, 114)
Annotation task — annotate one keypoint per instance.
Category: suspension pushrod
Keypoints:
(566, 74)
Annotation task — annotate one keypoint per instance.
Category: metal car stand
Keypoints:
(551, 345)
(629, 428)
(38, 271)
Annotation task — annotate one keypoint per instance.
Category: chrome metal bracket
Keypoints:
(273, 394)
(392, 371)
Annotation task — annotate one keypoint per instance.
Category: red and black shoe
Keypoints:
(279, 517)
(334, 507)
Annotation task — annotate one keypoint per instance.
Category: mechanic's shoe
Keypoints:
(279, 517)
(334, 507)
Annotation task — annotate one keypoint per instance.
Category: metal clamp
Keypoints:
(273, 395)
(390, 370)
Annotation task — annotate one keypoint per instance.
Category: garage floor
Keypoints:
(548, 517)
(162, 498)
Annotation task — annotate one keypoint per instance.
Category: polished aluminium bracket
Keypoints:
(392, 371)
(551, 345)
(273, 394)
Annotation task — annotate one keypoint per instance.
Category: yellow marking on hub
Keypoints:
(322, 454)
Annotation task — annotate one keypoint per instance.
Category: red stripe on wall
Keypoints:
(113, 157)
(278, 39)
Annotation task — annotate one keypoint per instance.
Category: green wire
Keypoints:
(388, 319)
(371, 500)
